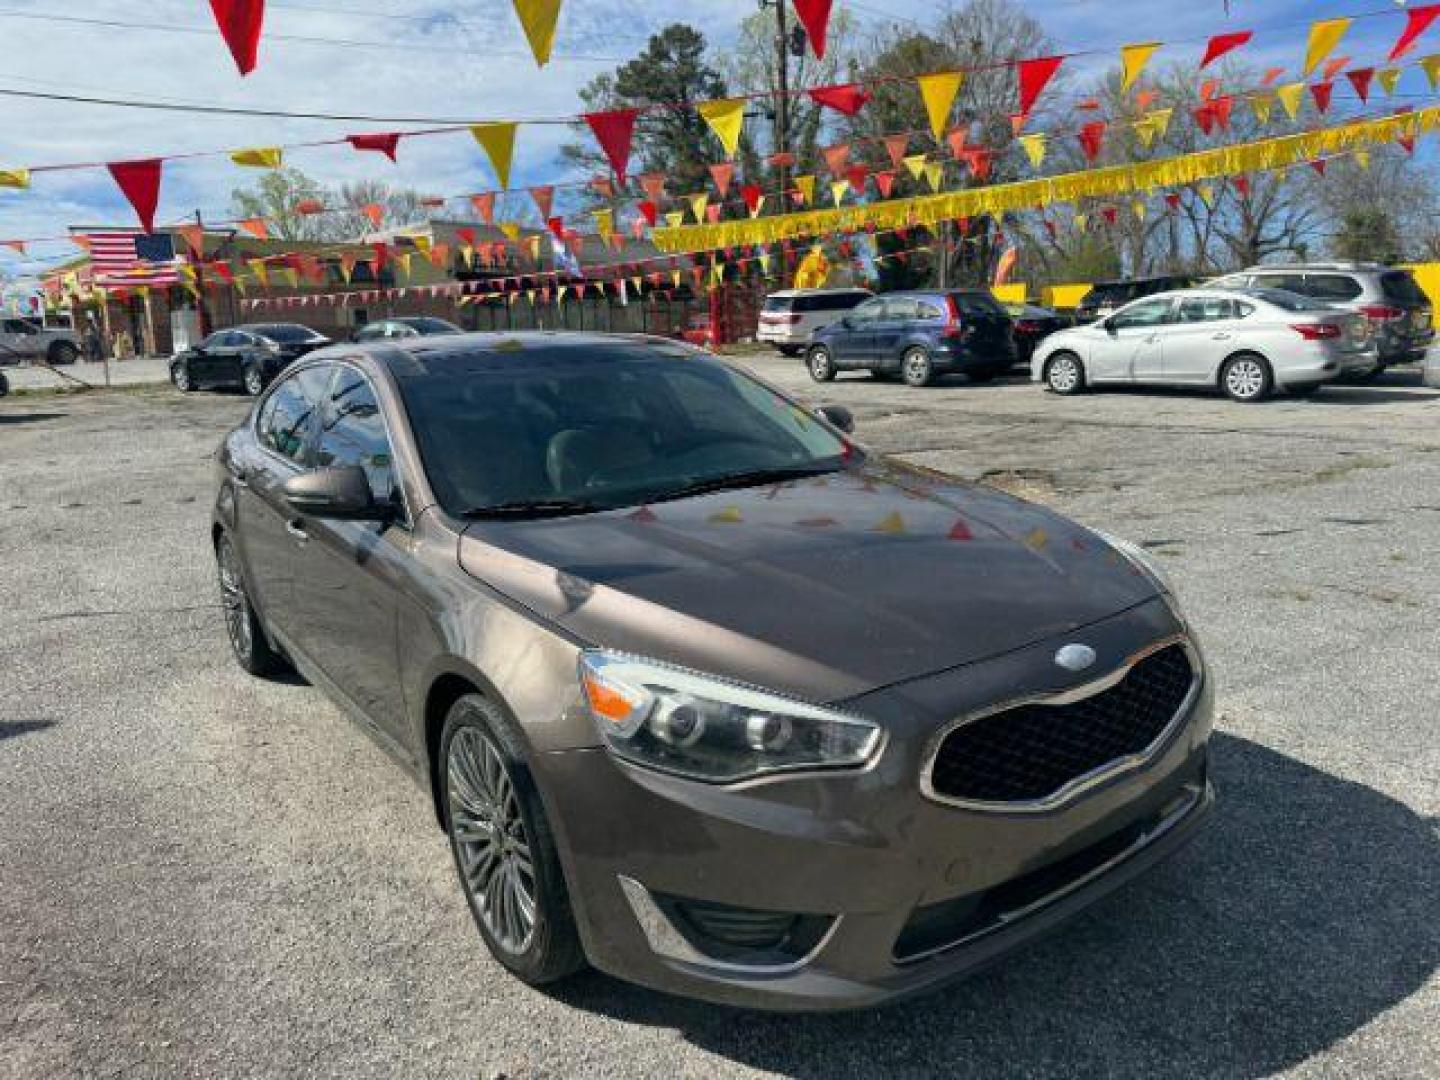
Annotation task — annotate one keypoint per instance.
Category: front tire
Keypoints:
(1064, 374)
(180, 376)
(253, 381)
(916, 367)
(503, 847)
(247, 637)
(820, 364)
(1246, 378)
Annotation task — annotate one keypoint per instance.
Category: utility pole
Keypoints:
(200, 281)
(781, 135)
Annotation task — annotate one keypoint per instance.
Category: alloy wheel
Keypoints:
(821, 369)
(233, 601)
(180, 376)
(1245, 379)
(254, 382)
(491, 840)
(1064, 374)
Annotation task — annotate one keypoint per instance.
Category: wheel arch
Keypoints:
(1219, 377)
(447, 685)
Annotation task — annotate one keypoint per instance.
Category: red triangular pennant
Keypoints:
(1360, 79)
(240, 22)
(614, 131)
(897, 146)
(140, 183)
(722, 172)
(814, 15)
(1321, 92)
(1419, 20)
(836, 157)
(484, 205)
(1221, 44)
(885, 182)
(384, 142)
(846, 98)
(544, 196)
(857, 175)
(1034, 75)
(650, 212)
(1092, 139)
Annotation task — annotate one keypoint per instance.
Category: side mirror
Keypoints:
(837, 416)
(343, 493)
(1109, 325)
(847, 322)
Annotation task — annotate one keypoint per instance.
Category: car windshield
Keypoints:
(432, 326)
(548, 429)
(286, 333)
(1111, 292)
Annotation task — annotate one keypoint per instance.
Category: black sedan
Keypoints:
(1033, 325)
(247, 357)
(704, 693)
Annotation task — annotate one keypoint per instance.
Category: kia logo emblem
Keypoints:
(1075, 657)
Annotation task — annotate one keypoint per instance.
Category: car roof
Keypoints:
(786, 293)
(400, 355)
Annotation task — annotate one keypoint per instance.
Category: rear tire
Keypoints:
(1064, 374)
(820, 364)
(1246, 378)
(62, 353)
(180, 376)
(916, 368)
(253, 380)
(503, 845)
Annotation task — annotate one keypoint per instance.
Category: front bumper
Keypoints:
(863, 853)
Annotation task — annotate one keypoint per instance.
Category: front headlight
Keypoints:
(1142, 560)
(707, 729)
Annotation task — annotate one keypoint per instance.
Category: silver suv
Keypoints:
(1398, 309)
(24, 341)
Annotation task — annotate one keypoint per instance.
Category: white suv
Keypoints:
(790, 317)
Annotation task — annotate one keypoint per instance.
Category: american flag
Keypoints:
(118, 259)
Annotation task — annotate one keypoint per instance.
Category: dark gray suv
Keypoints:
(704, 693)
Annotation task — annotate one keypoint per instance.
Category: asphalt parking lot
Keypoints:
(205, 875)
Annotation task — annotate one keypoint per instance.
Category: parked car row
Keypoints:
(250, 357)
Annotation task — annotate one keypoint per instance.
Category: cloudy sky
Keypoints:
(422, 58)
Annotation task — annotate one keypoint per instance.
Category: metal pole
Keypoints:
(944, 242)
(781, 137)
(204, 319)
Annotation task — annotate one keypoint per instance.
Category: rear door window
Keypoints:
(901, 310)
(1332, 287)
(927, 310)
(1203, 309)
(779, 304)
(977, 303)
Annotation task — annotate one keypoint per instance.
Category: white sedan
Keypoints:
(1246, 342)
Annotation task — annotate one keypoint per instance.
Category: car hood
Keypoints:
(824, 588)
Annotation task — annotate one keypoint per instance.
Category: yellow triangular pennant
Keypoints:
(916, 164)
(675, 218)
(498, 142)
(935, 175)
(511, 229)
(1262, 104)
(726, 118)
(1324, 36)
(538, 18)
(938, 93)
(838, 189)
(1034, 147)
(1431, 66)
(260, 270)
(259, 157)
(15, 178)
(1291, 97)
(805, 185)
(1133, 59)
(1388, 78)
(698, 205)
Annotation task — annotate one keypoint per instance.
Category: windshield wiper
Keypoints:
(753, 478)
(533, 508)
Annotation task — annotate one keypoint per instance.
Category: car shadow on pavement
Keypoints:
(30, 418)
(1304, 911)
(13, 729)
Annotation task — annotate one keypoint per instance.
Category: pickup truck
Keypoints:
(23, 340)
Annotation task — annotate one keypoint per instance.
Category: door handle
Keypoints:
(1221, 337)
(297, 530)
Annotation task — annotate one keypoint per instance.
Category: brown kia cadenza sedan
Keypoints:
(707, 695)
